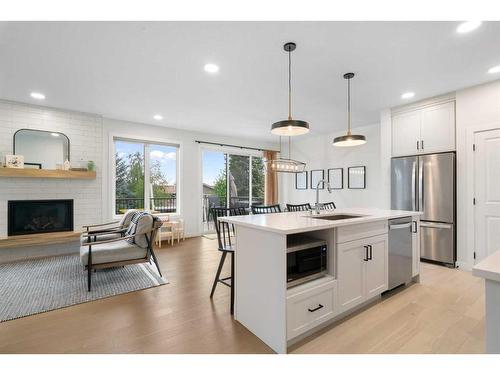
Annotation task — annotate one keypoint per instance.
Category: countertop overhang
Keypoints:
(303, 221)
(488, 268)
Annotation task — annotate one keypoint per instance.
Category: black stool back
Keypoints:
(225, 230)
(271, 209)
(298, 207)
(329, 205)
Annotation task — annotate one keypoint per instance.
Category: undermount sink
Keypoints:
(337, 217)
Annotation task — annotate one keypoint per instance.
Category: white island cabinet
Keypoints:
(357, 270)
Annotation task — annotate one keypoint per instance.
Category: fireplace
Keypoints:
(40, 216)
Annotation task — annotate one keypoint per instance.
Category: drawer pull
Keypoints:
(320, 306)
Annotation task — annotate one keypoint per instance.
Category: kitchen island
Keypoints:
(489, 270)
(356, 269)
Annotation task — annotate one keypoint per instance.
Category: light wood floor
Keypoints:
(442, 314)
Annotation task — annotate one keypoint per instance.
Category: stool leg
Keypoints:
(232, 283)
(217, 275)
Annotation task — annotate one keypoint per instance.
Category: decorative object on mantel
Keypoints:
(290, 127)
(316, 176)
(90, 165)
(61, 282)
(32, 166)
(14, 161)
(349, 139)
(66, 165)
(336, 178)
(356, 177)
(301, 180)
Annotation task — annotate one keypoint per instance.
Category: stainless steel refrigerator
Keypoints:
(427, 183)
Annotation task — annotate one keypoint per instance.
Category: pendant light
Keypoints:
(286, 165)
(290, 127)
(349, 139)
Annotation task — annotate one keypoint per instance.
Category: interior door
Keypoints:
(487, 193)
(376, 267)
(351, 274)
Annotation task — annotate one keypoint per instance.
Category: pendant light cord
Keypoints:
(349, 106)
(289, 85)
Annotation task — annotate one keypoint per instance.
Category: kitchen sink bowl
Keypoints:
(337, 217)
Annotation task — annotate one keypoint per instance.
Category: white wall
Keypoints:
(477, 107)
(84, 132)
(319, 153)
(189, 185)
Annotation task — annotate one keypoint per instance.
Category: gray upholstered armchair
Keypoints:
(136, 246)
(107, 231)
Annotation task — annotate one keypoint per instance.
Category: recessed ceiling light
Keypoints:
(468, 26)
(37, 95)
(158, 117)
(211, 68)
(495, 69)
(408, 95)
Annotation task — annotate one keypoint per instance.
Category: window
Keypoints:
(145, 176)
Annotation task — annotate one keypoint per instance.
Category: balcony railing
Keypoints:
(161, 205)
(210, 201)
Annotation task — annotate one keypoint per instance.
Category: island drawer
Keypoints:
(308, 308)
(358, 231)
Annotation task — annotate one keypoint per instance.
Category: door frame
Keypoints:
(229, 151)
(469, 177)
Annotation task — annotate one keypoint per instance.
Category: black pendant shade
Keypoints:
(290, 127)
(349, 139)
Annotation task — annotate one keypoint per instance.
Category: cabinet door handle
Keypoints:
(371, 252)
(320, 306)
(418, 147)
(366, 259)
(422, 144)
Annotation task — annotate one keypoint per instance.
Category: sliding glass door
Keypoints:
(230, 180)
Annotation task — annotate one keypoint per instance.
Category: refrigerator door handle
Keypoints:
(420, 185)
(414, 186)
(436, 225)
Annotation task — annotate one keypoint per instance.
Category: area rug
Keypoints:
(34, 286)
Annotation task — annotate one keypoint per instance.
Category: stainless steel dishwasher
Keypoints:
(400, 251)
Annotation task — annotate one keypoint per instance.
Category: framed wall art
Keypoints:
(336, 178)
(316, 176)
(356, 177)
(301, 180)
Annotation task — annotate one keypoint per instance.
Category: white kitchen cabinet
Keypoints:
(377, 267)
(438, 128)
(351, 273)
(424, 130)
(406, 133)
(362, 272)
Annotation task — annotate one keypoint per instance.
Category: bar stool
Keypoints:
(226, 246)
(298, 207)
(271, 209)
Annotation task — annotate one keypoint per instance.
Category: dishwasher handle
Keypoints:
(400, 226)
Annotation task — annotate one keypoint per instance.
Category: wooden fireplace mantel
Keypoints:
(47, 173)
(38, 239)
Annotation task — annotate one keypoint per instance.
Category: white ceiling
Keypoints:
(133, 70)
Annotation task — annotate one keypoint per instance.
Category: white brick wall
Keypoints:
(85, 134)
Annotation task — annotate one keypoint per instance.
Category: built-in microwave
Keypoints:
(306, 260)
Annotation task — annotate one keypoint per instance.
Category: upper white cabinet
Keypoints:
(424, 130)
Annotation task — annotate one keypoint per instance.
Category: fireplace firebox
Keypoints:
(40, 216)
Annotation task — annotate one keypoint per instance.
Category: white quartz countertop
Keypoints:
(297, 222)
(488, 268)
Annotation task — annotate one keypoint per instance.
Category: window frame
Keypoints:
(145, 141)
